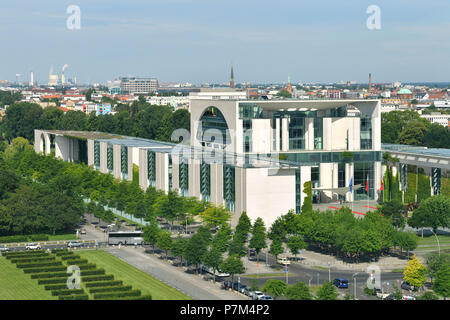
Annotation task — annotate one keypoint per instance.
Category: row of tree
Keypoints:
(139, 119)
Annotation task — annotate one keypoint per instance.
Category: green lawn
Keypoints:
(16, 285)
(431, 240)
(60, 237)
(133, 276)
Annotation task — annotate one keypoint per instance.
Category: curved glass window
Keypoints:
(212, 118)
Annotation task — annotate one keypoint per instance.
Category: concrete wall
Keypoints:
(217, 184)
(66, 148)
(261, 135)
(104, 157)
(90, 152)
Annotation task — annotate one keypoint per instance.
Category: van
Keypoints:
(283, 261)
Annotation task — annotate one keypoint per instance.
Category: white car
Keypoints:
(32, 246)
(4, 249)
(257, 295)
(408, 298)
(74, 244)
(283, 261)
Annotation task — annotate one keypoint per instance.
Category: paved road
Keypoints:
(190, 284)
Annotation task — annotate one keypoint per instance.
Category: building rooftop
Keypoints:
(437, 152)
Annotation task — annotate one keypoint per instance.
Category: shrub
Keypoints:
(9, 239)
(103, 284)
(92, 272)
(45, 269)
(110, 289)
(49, 275)
(29, 260)
(69, 256)
(27, 256)
(75, 297)
(133, 293)
(87, 266)
(146, 297)
(67, 292)
(76, 261)
(24, 253)
(97, 278)
(37, 265)
(39, 237)
(56, 286)
(53, 281)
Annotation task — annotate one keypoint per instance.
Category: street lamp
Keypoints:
(287, 276)
(437, 239)
(317, 279)
(329, 272)
(354, 279)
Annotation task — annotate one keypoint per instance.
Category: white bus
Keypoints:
(125, 237)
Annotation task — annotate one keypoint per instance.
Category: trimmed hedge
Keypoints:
(104, 284)
(53, 281)
(92, 272)
(67, 292)
(133, 293)
(45, 269)
(97, 278)
(55, 286)
(49, 275)
(87, 266)
(76, 261)
(38, 265)
(69, 256)
(27, 256)
(9, 239)
(75, 297)
(39, 237)
(24, 253)
(110, 289)
(146, 297)
(29, 260)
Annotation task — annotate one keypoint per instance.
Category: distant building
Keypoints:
(437, 117)
(130, 85)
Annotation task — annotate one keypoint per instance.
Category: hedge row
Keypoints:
(76, 261)
(27, 256)
(97, 278)
(9, 239)
(133, 293)
(110, 289)
(146, 297)
(87, 266)
(104, 284)
(69, 256)
(33, 259)
(52, 281)
(55, 286)
(38, 265)
(25, 253)
(75, 297)
(93, 272)
(67, 292)
(45, 269)
(49, 275)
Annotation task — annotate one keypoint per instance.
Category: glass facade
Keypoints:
(298, 190)
(315, 183)
(318, 133)
(109, 158)
(169, 170)
(183, 177)
(97, 154)
(151, 168)
(362, 172)
(124, 161)
(366, 133)
(297, 133)
(436, 180)
(315, 158)
(212, 118)
(205, 181)
(250, 111)
(247, 125)
(229, 186)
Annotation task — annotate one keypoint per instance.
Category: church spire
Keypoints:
(232, 78)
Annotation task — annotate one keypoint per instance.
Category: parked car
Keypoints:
(247, 291)
(74, 244)
(341, 283)
(257, 295)
(408, 298)
(283, 261)
(238, 286)
(389, 297)
(32, 246)
(82, 231)
(406, 286)
(251, 252)
(227, 284)
(4, 249)
(266, 297)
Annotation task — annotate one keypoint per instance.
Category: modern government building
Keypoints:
(249, 155)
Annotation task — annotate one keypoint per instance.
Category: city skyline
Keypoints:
(197, 41)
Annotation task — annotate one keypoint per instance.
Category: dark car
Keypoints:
(227, 284)
(266, 297)
(239, 287)
(341, 283)
(406, 286)
(251, 252)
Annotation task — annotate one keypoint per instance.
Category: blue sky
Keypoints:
(197, 40)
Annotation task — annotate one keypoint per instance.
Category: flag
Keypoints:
(351, 184)
(382, 185)
(367, 184)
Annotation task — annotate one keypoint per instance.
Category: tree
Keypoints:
(151, 232)
(433, 212)
(232, 265)
(258, 240)
(213, 259)
(179, 247)
(164, 241)
(276, 248)
(221, 241)
(434, 262)
(394, 210)
(413, 133)
(197, 247)
(296, 243)
(216, 216)
(442, 283)
(240, 236)
(307, 201)
(275, 287)
(21, 119)
(428, 296)
(406, 241)
(298, 291)
(327, 292)
(415, 273)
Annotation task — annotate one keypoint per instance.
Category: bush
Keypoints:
(53, 281)
(39, 237)
(76, 262)
(24, 253)
(37, 265)
(370, 292)
(71, 256)
(45, 269)
(28, 256)
(10, 239)
(87, 266)
(97, 278)
(92, 272)
(146, 297)
(67, 292)
(110, 289)
(133, 293)
(75, 297)
(49, 275)
(33, 259)
(103, 284)
(55, 286)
